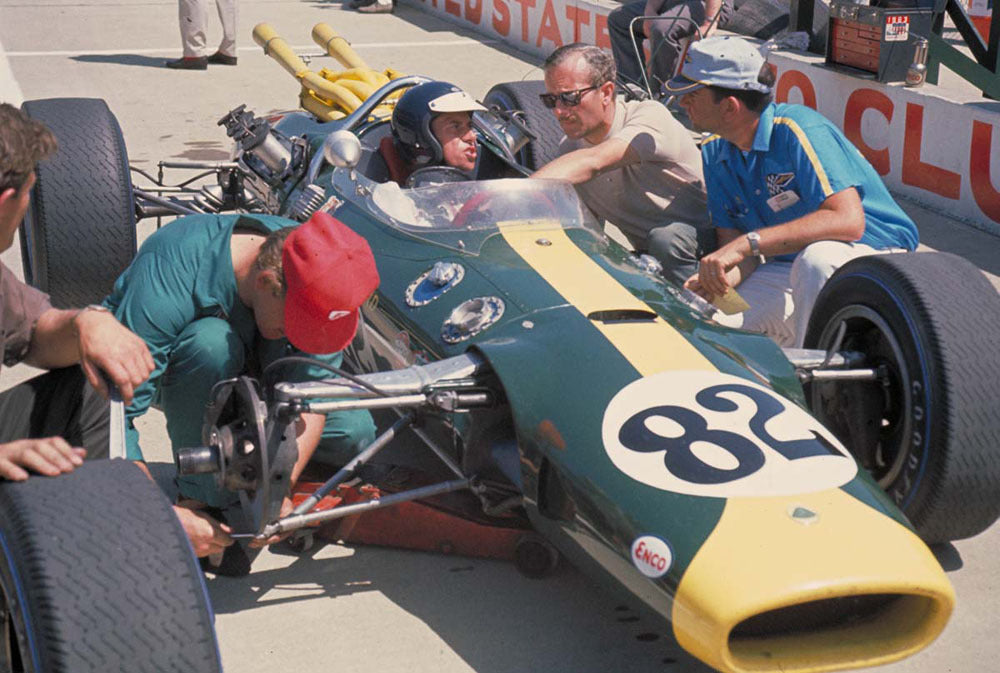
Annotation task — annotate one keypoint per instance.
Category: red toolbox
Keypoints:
(878, 39)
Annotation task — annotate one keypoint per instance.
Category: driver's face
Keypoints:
(458, 140)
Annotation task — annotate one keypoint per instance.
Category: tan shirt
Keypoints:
(666, 184)
(20, 307)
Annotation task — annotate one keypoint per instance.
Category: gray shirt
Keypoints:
(664, 186)
(20, 307)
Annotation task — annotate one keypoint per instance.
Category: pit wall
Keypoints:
(932, 150)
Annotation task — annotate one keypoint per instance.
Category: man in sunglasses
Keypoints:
(633, 164)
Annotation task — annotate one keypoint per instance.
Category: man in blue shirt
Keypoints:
(217, 296)
(785, 187)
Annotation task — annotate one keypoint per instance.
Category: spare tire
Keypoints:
(523, 96)
(98, 575)
(928, 431)
(79, 232)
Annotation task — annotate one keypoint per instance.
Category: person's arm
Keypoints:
(839, 218)
(309, 432)
(583, 164)
(97, 341)
(708, 26)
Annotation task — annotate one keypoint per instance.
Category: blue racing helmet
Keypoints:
(411, 119)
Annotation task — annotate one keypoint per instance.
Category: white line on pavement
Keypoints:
(10, 92)
(298, 48)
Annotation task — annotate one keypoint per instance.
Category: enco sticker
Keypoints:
(652, 556)
(713, 434)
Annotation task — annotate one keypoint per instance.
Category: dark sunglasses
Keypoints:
(567, 98)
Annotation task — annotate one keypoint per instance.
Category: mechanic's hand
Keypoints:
(207, 535)
(49, 456)
(107, 345)
(717, 271)
(286, 509)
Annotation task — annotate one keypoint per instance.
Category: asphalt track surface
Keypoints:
(362, 609)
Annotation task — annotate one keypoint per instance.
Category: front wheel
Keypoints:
(98, 575)
(928, 430)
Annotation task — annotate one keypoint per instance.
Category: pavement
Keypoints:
(364, 608)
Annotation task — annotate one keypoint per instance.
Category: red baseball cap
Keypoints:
(329, 272)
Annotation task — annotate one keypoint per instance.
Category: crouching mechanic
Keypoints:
(785, 187)
(50, 422)
(431, 126)
(217, 296)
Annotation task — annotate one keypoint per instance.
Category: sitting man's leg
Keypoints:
(680, 19)
(59, 403)
(207, 351)
(629, 68)
(770, 298)
(678, 247)
(810, 271)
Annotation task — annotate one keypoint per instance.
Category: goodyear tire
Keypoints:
(929, 433)
(79, 233)
(98, 575)
(523, 96)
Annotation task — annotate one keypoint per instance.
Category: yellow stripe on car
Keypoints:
(650, 346)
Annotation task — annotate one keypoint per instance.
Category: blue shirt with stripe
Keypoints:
(797, 149)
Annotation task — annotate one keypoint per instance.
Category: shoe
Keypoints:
(189, 63)
(378, 7)
(222, 59)
(355, 4)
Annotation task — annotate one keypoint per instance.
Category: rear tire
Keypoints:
(79, 232)
(523, 96)
(98, 575)
(931, 435)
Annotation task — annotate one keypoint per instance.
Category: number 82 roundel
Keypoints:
(713, 434)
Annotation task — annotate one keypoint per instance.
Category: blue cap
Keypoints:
(723, 61)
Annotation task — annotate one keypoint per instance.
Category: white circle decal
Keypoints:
(714, 434)
(652, 556)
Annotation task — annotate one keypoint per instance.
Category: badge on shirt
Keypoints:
(782, 200)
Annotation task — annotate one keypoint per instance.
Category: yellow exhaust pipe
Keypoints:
(276, 47)
(337, 47)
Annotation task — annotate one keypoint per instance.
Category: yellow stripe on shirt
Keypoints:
(810, 152)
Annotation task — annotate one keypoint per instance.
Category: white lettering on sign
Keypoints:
(652, 556)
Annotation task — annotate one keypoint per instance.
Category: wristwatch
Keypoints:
(753, 238)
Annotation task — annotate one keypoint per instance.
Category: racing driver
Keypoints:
(431, 126)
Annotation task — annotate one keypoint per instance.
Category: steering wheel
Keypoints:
(498, 206)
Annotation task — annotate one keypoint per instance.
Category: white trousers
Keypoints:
(781, 295)
(193, 18)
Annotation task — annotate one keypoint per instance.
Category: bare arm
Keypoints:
(712, 8)
(309, 430)
(583, 164)
(97, 341)
(839, 218)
